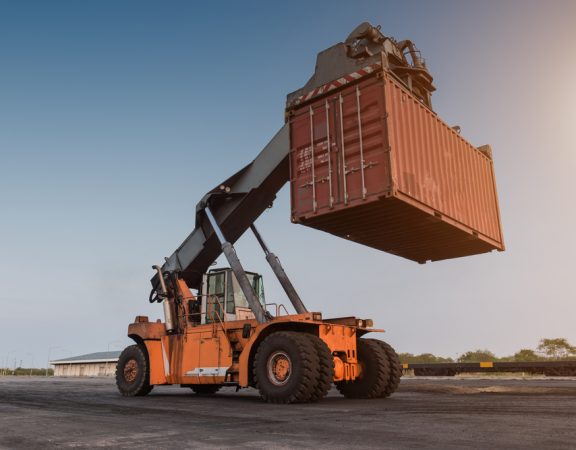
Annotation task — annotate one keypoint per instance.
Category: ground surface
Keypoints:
(425, 413)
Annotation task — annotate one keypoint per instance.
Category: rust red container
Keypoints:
(386, 172)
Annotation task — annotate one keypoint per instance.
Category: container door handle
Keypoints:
(344, 170)
(361, 144)
(314, 205)
(329, 150)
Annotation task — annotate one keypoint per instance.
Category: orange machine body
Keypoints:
(222, 352)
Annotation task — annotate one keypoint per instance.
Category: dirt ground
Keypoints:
(452, 413)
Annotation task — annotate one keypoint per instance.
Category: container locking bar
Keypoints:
(236, 266)
(280, 274)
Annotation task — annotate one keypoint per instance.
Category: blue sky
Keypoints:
(116, 117)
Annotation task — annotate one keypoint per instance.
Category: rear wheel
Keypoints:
(375, 373)
(205, 389)
(286, 368)
(133, 372)
(395, 369)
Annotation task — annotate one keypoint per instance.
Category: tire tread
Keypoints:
(143, 386)
(375, 385)
(395, 368)
(326, 366)
(310, 368)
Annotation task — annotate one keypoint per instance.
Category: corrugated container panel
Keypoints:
(447, 174)
(385, 171)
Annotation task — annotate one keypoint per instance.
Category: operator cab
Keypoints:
(222, 296)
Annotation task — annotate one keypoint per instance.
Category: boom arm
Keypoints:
(235, 204)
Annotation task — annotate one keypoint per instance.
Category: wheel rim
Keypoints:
(279, 368)
(131, 371)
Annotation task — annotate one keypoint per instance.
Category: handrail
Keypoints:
(278, 306)
(281, 305)
(216, 315)
(205, 313)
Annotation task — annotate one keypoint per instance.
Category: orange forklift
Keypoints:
(218, 329)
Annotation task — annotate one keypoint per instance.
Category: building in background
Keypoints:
(101, 364)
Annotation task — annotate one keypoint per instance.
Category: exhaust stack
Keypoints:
(166, 303)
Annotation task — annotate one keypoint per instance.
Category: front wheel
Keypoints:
(287, 368)
(133, 372)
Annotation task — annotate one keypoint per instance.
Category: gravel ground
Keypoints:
(434, 413)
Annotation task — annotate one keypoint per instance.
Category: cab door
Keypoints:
(214, 296)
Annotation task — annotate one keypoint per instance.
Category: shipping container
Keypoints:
(371, 163)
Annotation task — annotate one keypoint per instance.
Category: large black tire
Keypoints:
(286, 368)
(326, 372)
(373, 379)
(395, 369)
(205, 389)
(133, 372)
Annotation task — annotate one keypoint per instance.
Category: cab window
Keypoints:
(236, 297)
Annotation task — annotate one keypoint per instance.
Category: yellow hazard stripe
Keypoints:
(487, 365)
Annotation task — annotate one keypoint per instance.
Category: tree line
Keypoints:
(548, 349)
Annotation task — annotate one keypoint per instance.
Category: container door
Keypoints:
(314, 188)
(348, 160)
(363, 150)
